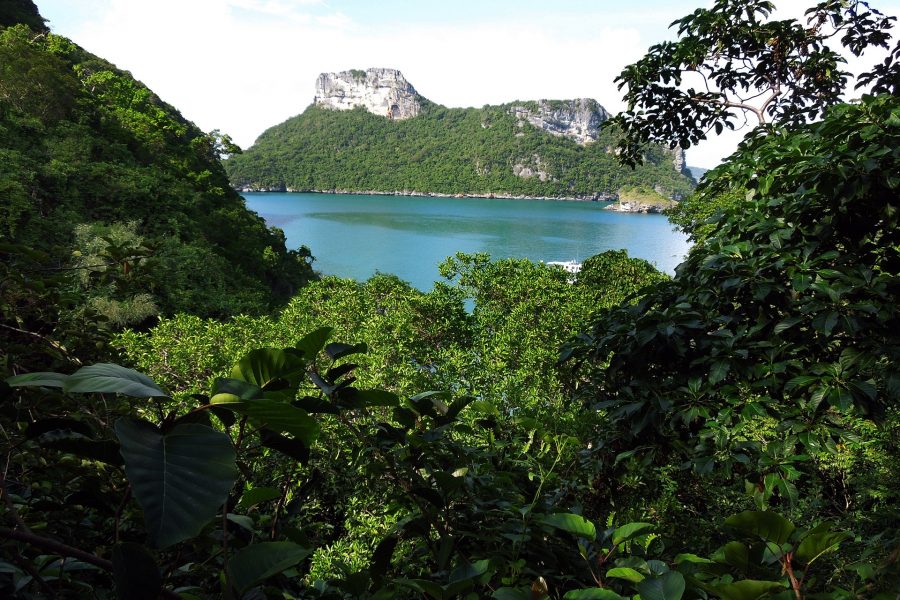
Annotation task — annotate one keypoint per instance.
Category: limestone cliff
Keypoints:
(679, 161)
(579, 119)
(383, 92)
(399, 142)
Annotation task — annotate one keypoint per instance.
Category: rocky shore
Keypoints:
(579, 198)
(638, 207)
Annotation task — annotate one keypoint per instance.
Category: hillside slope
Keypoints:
(84, 146)
(544, 148)
(114, 209)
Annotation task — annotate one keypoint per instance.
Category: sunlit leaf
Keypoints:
(112, 379)
(571, 523)
(629, 531)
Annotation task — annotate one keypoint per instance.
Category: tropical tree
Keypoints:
(734, 63)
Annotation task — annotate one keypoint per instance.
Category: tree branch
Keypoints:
(53, 344)
(56, 547)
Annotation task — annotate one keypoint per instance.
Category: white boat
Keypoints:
(570, 266)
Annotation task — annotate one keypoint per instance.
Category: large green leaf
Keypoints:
(313, 342)
(815, 545)
(264, 366)
(42, 379)
(257, 495)
(238, 388)
(464, 577)
(572, 523)
(112, 379)
(626, 573)
(295, 449)
(737, 555)
(337, 350)
(748, 589)
(718, 371)
(274, 415)
(768, 525)
(470, 571)
(629, 531)
(669, 586)
(257, 562)
(381, 557)
(180, 478)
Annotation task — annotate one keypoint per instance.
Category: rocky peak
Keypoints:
(578, 119)
(383, 92)
(678, 160)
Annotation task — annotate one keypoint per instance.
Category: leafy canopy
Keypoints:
(732, 62)
(789, 307)
(443, 150)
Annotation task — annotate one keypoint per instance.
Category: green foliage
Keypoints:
(645, 196)
(729, 429)
(806, 268)
(504, 351)
(732, 61)
(477, 501)
(121, 203)
(616, 276)
(786, 312)
(110, 263)
(696, 214)
(443, 150)
(181, 470)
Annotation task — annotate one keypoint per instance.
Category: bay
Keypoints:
(358, 235)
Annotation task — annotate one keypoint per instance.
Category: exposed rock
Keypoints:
(636, 207)
(529, 171)
(383, 92)
(578, 119)
(678, 160)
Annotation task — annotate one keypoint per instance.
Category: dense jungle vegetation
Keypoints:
(730, 432)
(101, 178)
(443, 150)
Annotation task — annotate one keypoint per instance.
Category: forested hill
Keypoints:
(100, 178)
(115, 209)
(489, 150)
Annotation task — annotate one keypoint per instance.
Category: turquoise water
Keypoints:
(355, 236)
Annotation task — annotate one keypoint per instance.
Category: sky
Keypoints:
(242, 66)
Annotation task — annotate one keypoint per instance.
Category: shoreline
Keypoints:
(611, 201)
(488, 196)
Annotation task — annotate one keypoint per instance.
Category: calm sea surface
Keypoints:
(355, 236)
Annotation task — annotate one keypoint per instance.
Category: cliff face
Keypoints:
(383, 92)
(679, 160)
(579, 119)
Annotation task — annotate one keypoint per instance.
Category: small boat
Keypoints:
(570, 266)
